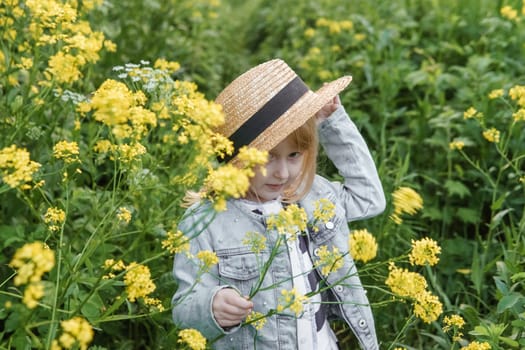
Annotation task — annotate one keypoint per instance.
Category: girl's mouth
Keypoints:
(275, 188)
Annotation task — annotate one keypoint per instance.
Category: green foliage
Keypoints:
(417, 67)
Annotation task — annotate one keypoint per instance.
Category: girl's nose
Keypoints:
(281, 170)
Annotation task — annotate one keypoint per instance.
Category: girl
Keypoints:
(270, 108)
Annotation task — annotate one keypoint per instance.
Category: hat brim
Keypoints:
(298, 114)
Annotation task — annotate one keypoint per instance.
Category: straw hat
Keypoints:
(268, 102)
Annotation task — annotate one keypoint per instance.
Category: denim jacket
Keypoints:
(359, 196)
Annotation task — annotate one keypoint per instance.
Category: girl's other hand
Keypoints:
(328, 109)
(229, 308)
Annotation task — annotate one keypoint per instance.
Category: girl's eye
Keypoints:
(294, 155)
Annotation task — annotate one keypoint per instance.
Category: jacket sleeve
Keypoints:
(361, 190)
(192, 302)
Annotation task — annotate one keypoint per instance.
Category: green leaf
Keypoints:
(509, 301)
(468, 215)
(496, 219)
(456, 188)
(509, 342)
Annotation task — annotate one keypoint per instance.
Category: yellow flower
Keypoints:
(406, 200)
(76, 329)
(509, 13)
(176, 242)
(256, 319)
(225, 182)
(290, 220)
(453, 323)
(405, 283)
(33, 292)
(456, 145)
(54, 217)
(470, 113)
(138, 281)
(309, 32)
(424, 251)
(497, 93)
(427, 307)
(255, 240)
(519, 115)
(193, 338)
(208, 259)
(329, 261)
(363, 245)
(517, 93)
(324, 210)
(16, 168)
(291, 299)
(168, 66)
(124, 215)
(491, 135)
(31, 261)
(64, 67)
(475, 345)
(113, 266)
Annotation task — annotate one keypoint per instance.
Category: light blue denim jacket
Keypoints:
(360, 196)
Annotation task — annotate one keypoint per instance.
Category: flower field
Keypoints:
(107, 119)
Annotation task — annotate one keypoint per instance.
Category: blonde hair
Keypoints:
(305, 139)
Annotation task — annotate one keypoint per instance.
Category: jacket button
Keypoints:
(329, 225)
(316, 251)
(362, 323)
(339, 288)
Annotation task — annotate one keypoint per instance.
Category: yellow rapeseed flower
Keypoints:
(290, 220)
(256, 319)
(176, 242)
(33, 292)
(124, 215)
(492, 135)
(424, 251)
(138, 281)
(64, 67)
(31, 261)
(329, 261)
(208, 259)
(456, 145)
(324, 210)
(404, 283)
(193, 338)
(470, 113)
(406, 201)
(363, 245)
(16, 167)
(169, 66)
(519, 115)
(475, 345)
(255, 240)
(75, 331)
(497, 93)
(517, 93)
(67, 151)
(427, 307)
(509, 13)
(453, 323)
(225, 182)
(291, 299)
(54, 217)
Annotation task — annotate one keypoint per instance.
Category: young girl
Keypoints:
(271, 109)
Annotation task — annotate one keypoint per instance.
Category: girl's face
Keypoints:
(285, 162)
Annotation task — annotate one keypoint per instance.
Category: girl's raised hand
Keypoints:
(328, 109)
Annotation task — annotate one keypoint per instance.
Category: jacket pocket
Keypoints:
(239, 263)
